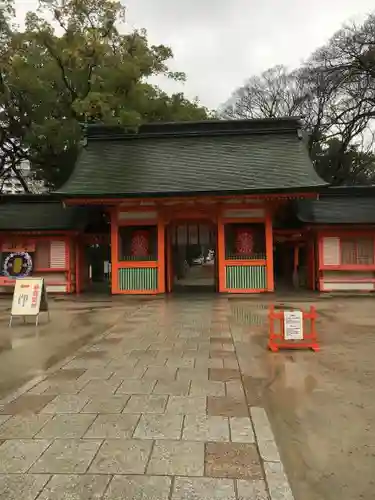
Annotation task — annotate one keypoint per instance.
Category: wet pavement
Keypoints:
(152, 408)
(26, 351)
(170, 399)
(320, 405)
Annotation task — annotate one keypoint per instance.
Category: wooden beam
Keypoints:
(204, 198)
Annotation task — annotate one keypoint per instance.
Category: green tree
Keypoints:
(339, 164)
(10, 154)
(79, 68)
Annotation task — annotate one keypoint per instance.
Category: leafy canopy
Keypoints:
(74, 64)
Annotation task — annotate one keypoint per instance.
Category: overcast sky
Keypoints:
(220, 43)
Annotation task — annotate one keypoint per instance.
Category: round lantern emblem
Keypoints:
(18, 265)
(244, 242)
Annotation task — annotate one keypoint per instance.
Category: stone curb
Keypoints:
(276, 479)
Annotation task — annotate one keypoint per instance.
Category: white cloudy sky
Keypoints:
(220, 43)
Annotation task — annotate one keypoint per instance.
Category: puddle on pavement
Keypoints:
(287, 372)
(88, 309)
(256, 314)
(31, 354)
(249, 315)
(10, 342)
(6, 345)
(15, 343)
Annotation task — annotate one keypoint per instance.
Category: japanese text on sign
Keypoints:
(35, 294)
(22, 299)
(27, 296)
(293, 325)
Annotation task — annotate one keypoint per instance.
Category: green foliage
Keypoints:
(79, 68)
(340, 165)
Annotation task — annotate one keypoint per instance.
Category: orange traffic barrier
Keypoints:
(292, 329)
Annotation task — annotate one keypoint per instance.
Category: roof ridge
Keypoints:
(188, 129)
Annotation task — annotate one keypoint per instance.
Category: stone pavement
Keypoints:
(154, 409)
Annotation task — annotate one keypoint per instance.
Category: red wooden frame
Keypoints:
(277, 340)
(114, 251)
(221, 254)
(177, 218)
(302, 238)
(10, 282)
(191, 208)
(139, 263)
(35, 236)
(114, 202)
(344, 233)
(123, 264)
(311, 263)
(78, 257)
(269, 252)
(349, 236)
(266, 221)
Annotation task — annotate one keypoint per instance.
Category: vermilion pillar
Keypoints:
(221, 253)
(269, 252)
(161, 255)
(114, 251)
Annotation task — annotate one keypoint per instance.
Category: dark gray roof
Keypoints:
(213, 157)
(337, 210)
(23, 216)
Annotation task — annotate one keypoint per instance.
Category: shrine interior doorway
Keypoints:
(291, 262)
(191, 249)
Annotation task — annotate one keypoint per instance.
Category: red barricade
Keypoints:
(277, 338)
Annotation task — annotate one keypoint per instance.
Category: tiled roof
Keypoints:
(337, 210)
(208, 157)
(18, 216)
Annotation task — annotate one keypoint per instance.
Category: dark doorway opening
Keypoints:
(98, 264)
(191, 257)
(290, 260)
(96, 253)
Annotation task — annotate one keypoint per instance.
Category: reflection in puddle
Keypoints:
(16, 343)
(249, 316)
(5, 345)
(256, 314)
(8, 344)
(87, 309)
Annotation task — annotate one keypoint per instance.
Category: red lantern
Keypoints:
(140, 244)
(244, 242)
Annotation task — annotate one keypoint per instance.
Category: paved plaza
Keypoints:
(153, 409)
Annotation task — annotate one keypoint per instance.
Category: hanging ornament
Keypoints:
(244, 242)
(140, 244)
(18, 265)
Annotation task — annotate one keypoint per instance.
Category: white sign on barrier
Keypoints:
(29, 298)
(293, 325)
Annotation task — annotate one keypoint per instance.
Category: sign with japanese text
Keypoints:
(293, 325)
(18, 246)
(29, 297)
